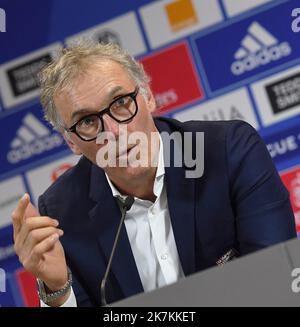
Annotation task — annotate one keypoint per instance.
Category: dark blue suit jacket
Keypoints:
(239, 202)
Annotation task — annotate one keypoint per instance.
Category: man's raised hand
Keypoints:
(37, 244)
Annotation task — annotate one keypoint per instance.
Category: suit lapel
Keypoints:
(181, 203)
(104, 220)
(180, 191)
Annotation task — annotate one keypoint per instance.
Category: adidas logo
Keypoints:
(259, 47)
(28, 132)
(32, 138)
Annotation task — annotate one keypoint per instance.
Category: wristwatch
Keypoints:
(49, 297)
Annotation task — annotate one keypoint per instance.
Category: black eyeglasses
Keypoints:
(122, 110)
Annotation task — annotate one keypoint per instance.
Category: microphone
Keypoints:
(124, 205)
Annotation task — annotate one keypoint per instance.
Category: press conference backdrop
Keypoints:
(208, 60)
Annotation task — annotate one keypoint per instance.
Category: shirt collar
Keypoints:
(160, 172)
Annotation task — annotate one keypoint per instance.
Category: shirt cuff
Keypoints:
(71, 302)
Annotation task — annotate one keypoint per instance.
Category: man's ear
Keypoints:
(74, 148)
(150, 100)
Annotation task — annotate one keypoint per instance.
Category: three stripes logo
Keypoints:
(32, 138)
(259, 47)
(28, 132)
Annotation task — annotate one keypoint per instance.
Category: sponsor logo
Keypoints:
(107, 36)
(254, 46)
(259, 47)
(170, 91)
(291, 180)
(32, 138)
(284, 94)
(9, 201)
(278, 96)
(24, 78)
(40, 178)
(284, 146)
(181, 14)
(123, 30)
(167, 98)
(220, 114)
(2, 21)
(11, 191)
(296, 22)
(234, 105)
(166, 21)
(59, 171)
(7, 252)
(27, 285)
(2, 281)
(19, 78)
(295, 188)
(234, 7)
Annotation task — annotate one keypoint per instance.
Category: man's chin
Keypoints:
(128, 172)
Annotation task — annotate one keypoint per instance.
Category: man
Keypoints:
(177, 225)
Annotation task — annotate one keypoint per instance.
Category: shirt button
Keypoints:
(164, 256)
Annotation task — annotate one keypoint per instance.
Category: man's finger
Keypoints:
(19, 212)
(38, 235)
(39, 222)
(32, 223)
(31, 211)
(42, 247)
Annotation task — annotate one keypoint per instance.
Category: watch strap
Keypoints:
(47, 297)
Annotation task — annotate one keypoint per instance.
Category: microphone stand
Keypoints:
(124, 205)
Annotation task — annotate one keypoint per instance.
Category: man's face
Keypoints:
(92, 92)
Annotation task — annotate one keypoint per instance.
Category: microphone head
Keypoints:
(125, 203)
(128, 202)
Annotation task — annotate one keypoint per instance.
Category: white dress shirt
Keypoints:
(151, 237)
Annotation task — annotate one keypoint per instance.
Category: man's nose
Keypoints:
(110, 125)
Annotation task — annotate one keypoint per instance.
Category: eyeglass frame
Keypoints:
(104, 111)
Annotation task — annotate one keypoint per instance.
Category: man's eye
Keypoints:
(87, 121)
(121, 102)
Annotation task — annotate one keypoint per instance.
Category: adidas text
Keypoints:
(36, 147)
(263, 57)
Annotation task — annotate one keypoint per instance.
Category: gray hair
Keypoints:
(72, 62)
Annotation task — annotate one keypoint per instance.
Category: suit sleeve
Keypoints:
(82, 298)
(261, 202)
